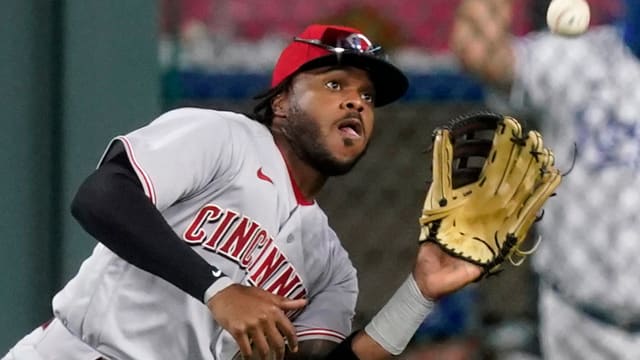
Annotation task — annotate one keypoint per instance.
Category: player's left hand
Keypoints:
(256, 319)
(438, 273)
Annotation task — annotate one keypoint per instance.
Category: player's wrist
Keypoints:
(396, 323)
(220, 283)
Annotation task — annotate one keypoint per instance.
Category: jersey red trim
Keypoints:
(146, 181)
(298, 193)
(300, 198)
(321, 332)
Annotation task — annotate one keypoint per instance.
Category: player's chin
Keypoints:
(348, 154)
(335, 167)
(336, 163)
(349, 148)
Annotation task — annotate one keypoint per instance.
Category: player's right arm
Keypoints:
(481, 39)
(435, 275)
(112, 205)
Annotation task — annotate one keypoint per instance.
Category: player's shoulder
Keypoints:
(538, 52)
(598, 37)
(211, 118)
(315, 215)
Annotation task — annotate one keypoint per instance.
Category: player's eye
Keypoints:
(367, 97)
(333, 85)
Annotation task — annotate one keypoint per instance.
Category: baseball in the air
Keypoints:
(568, 17)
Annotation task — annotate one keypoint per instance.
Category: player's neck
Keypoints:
(308, 180)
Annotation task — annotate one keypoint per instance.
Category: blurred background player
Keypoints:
(584, 91)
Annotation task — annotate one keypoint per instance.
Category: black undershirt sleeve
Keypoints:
(317, 349)
(112, 206)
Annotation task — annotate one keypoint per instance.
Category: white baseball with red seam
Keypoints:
(568, 17)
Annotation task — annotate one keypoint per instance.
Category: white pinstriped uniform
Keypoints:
(586, 90)
(222, 184)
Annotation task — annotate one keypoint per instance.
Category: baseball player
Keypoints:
(211, 244)
(586, 91)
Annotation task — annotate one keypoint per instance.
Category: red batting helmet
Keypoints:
(327, 45)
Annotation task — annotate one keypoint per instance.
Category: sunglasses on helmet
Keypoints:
(352, 44)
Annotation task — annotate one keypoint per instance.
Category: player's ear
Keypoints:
(280, 105)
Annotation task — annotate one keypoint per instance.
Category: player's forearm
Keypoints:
(358, 346)
(112, 207)
(481, 39)
(391, 329)
(366, 348)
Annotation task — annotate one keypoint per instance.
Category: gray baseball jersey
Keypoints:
(222, 184)
(587, 92)
(589, 98)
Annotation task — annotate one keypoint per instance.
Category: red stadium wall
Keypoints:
(420, 23)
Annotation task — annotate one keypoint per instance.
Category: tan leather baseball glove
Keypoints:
(490, 180)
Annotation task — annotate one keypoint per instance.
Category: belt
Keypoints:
(598, 314)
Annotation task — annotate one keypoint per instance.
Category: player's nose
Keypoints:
(354, 103)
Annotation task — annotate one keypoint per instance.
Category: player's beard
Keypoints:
(305, 137)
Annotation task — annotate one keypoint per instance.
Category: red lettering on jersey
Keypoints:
(257, 242)
(299, 293)
(268, 266)
(229, 217)
(285, 283)
(194, 233)
(239, 239)
(292, 314)
(249, 245)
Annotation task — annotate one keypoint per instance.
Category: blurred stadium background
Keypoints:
(75, 73)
